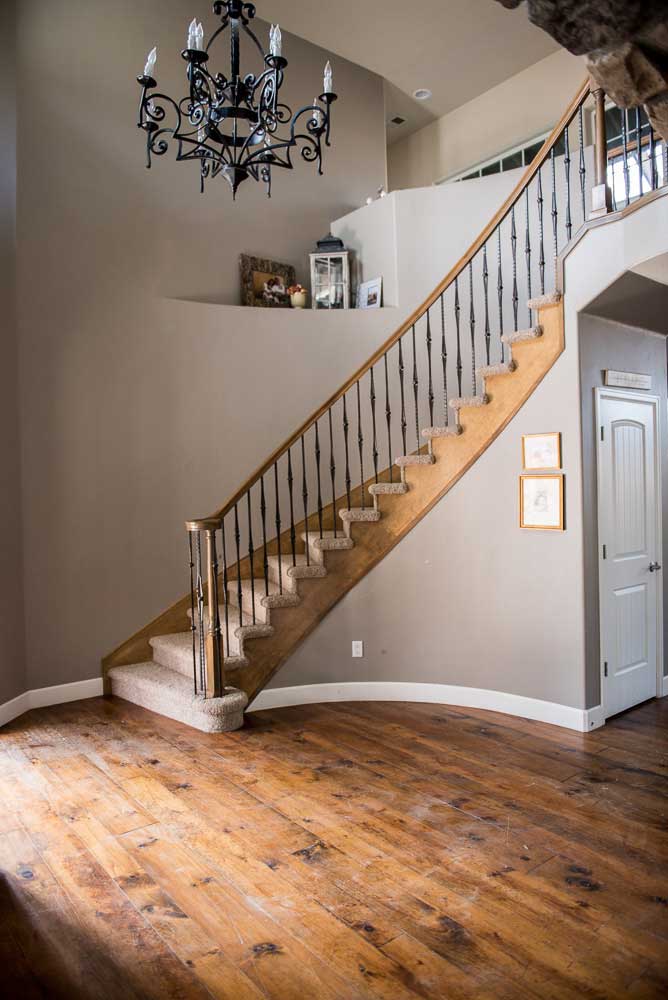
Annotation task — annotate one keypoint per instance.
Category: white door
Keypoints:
(629, 529)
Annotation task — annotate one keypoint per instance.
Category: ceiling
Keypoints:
(458, 49)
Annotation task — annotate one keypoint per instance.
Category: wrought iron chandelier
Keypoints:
(231, 124)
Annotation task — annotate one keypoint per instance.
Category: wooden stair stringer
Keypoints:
(428, 484)
(454, 455)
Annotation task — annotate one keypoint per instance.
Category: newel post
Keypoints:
(211, 659)
(601, 199)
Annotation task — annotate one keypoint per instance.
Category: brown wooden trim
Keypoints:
(527, 176)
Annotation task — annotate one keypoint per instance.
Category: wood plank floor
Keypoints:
(339, 851)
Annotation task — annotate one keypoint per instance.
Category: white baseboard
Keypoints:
(579, 719)
(56, 695)
(664, 687)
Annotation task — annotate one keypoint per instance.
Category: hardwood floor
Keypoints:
(333, 851)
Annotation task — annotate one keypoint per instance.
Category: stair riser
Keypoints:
(154, 699)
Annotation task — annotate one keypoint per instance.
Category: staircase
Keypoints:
(431, 400)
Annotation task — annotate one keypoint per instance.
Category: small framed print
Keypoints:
(542, 502)
(541, 451)
(369, 294)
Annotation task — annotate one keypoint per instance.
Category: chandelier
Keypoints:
(235, 125)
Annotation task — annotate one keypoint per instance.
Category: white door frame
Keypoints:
(601, 393)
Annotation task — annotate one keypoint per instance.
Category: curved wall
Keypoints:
(469, 600)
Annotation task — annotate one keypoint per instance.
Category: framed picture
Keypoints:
(542, 502)
(369, 294)
(541, 451)
(265, 283)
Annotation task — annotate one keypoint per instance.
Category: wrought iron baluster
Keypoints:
(251, 552)
(541, 232)
(513, 250)
(652, 158)
(278, 528)
(263, 515)
(625, 155)
(485, 285)
(499, 288)
(459, 344)
(200, 613)
(332, 467)
(527, 246)
(567, 171)
(305, 500)
(388, 419)
(444, 363)
(403, 401)
(582, 169)
(345, 441)
(472, 328)
(293, 533)
(415, 390)
(218, 669)
(372, 400)
(430, 388)
(237, 540)
(360, 440)
(317, 469)
(639, 151)
(193, 623)
(226, 598)
(554, 213)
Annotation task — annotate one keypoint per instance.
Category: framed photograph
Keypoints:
(541, 451)
(265, 283)
(542, 502)
(369, 294)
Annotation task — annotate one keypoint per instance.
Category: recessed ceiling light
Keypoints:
(422, 94)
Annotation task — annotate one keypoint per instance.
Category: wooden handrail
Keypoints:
(454, 272)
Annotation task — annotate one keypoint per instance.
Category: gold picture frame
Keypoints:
(264, 282)
(541, 452)
(542, 502)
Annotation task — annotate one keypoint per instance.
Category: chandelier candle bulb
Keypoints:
(150, 62)
(192, 35)
(275, 41)
(328, 78)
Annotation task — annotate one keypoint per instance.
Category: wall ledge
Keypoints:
(43, 697)
(580, 719)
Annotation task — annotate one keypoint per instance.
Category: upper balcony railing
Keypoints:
(407, 385)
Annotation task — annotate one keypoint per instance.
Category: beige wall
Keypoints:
(12, 664)
(468, 598)
(525, 105)
(138, 412)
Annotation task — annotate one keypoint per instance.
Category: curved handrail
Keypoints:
(462, 263)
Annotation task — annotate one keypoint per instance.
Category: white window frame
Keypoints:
(498, 158)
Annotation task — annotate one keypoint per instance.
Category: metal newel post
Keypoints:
(214, 660)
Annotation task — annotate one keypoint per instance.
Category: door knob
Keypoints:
(654, 566)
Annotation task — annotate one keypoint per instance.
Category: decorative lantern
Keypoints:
(330, 275)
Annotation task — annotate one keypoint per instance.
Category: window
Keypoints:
(630, 177)
(511, 159)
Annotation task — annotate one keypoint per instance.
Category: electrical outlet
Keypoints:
(358, 648)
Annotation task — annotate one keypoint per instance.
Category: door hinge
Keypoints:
(605, 669)
(605, 552)
(602, 433)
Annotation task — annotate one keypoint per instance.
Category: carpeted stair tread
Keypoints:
(503, 368)
(519, 335)
(388, 489)
(544, 301)
(461, 402)
(169, 693)
(404, 460)
(359, 514)
(452, 430)
(327, 542)
(301, 570)
(175, 652)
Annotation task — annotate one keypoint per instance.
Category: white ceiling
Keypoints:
(458, 49)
